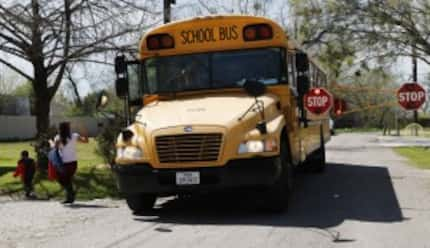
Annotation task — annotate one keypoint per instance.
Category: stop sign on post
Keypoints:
(318, 100)
(411, 96)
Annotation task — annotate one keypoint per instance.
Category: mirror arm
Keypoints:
(127, 111)
(247, 111)
(260, 105)
(303, 118)
(261, 125)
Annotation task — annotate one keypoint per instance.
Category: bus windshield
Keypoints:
(213, 70)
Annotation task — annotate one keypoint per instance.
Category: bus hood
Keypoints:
(209, 110)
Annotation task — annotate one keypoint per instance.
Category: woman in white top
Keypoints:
(66, 141)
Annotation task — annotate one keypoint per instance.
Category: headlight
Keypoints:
(257, 146)
(129, 152)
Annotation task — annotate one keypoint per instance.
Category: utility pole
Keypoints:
(167, 10)
(415, 77)
(415, 80)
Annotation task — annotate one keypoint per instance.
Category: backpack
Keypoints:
(55, 158)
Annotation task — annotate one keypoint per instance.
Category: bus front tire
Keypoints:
(141, 202)
(279, 193)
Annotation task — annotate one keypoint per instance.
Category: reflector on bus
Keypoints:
(257, 32)
(160, 41)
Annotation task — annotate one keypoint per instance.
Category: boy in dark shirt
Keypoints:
(26, 169)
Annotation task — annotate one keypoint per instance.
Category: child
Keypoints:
(26, 168)
(65, 142)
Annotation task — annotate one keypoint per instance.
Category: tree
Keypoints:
(357, 62)
(312, 25)
(370, 95)
(380, 28)
(49, 35)
(8, 81)
(202, 7)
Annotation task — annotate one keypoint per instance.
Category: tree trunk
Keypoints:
(42, 98)
(42, 109)
(42, 106)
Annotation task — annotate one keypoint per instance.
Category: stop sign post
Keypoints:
(318, 101)
(411, 96)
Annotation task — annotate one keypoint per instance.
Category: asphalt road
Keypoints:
(368, 197)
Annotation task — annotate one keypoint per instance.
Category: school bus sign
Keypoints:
(212, 34)
(411, 96)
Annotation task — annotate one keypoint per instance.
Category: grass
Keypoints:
(418, 156)
(358, 130)
(424, 133)
(92, 180)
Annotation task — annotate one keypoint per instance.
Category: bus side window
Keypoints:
(152, 78)
(284, 67)
(135, 82)
(312, 73)
(291, 70)
(318, 78)
(324, 80)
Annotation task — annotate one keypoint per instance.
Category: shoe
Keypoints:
(31, 196)
(68, 201)
(70, 195)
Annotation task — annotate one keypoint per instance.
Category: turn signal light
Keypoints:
(257, 32)
(160, 41)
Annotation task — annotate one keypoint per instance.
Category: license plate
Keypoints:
(188, 178)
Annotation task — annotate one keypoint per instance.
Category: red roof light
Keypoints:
(250, 34)
(153, 43)
(257, 32)
(160, 41)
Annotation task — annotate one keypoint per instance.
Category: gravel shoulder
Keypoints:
(368, 197)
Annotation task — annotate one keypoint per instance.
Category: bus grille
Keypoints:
(188, 147)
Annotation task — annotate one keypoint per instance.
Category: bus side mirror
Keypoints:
(120, 64)
(303, 85)
(121, 86)
(121, 83)
(302, 62)
(254, 88)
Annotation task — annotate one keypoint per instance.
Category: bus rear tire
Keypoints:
(317, 161)
(141, 202)
(279, 193)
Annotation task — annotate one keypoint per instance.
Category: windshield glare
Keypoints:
(213, 70)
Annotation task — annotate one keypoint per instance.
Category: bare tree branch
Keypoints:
(16, 69)
(52, 34)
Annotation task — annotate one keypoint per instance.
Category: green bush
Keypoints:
(107, 138)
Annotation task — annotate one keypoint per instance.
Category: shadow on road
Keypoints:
(85, 205)
(343, 192)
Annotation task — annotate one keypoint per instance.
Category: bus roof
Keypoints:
(212, 33)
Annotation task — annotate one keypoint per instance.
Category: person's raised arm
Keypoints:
(55, 142)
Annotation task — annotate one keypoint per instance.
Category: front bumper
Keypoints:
(142, 178)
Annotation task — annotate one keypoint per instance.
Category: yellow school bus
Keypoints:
(219, 107)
